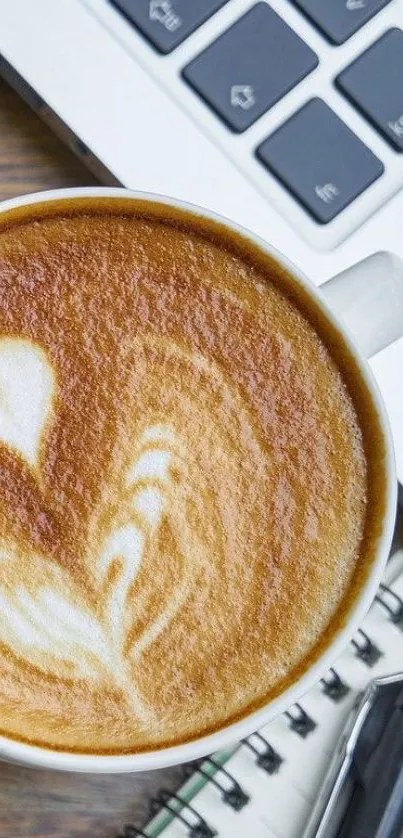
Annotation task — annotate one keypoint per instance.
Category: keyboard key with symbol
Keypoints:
(250, 67)
(320, 160)
(374, 83)
(166, 23)
(339, 19)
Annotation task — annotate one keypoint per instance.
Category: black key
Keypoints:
(319, 159)
(374, 83)
(339, 19)
(166, 23)
(250, 67)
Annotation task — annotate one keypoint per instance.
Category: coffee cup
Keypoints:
(363, 308)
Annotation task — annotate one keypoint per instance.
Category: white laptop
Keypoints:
(286, 116)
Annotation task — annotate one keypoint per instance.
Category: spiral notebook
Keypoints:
(265, 786)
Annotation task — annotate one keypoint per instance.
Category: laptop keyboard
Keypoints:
(259, 58)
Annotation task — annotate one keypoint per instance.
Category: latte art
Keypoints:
(183, 481)
(97, 633)
(45, 617)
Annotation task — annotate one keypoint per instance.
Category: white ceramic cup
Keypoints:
(369, 297)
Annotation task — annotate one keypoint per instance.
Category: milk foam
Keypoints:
(27, 385)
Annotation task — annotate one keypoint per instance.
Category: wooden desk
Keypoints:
(31, 157)
(42, 803)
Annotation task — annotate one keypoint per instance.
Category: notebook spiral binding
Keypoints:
(393, 604)
(365, 648)
(130, 831)
(232, 794)
(197, 826)
(267, 758)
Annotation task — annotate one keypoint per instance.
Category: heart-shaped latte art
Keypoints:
(27, 386)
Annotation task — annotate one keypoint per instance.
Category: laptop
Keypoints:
(286, 116)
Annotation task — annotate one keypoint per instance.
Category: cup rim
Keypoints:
(42, 757)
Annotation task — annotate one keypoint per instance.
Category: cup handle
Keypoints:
(368, 297)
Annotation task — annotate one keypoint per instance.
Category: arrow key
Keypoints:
(166, 23)
(250, 67)
(339, 19)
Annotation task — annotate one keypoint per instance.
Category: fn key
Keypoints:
(320, 160)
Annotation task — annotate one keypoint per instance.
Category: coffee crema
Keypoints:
(192, 477)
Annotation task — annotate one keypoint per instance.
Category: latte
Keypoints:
(191, 477)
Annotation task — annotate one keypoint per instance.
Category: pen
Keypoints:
(362, 794)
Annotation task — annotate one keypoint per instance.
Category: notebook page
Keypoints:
(280, 803)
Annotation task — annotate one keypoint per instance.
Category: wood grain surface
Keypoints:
(31, 156)
(43, 803)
